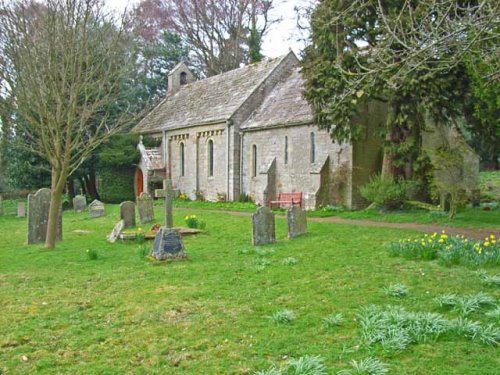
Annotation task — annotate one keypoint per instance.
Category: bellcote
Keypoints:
(180, 75)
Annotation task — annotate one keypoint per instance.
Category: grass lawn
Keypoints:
(64, 313)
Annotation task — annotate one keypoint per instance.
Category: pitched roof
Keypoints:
(285, 105)
(209, 100)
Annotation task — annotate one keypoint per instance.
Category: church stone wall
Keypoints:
(298, 174)
(196, 182)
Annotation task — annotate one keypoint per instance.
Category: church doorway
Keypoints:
(139, 181)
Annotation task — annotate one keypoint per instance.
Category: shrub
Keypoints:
(92, 254)
(449, 250)
(116, 185)
(192, 221)
(385, 192)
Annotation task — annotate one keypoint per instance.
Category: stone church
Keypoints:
(250, 132)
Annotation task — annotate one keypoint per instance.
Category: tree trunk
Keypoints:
(71, 190)
(388, 161)
(58, 183)
(92, 185)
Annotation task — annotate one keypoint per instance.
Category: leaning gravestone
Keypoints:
(145, 207)
(127, 213)
(297, 221)
(38, 216)
(96, 209)
(115, 233)
(168, 245)
(79, 203)
(21, 209)
(263, 227)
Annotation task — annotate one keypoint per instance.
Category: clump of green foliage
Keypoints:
(367, 366)
(192, 221)
(306, 365)
(333, 320)
(456, 250)
(284, 316)
(465, 305)
(118, 158)
(92, 254)
(396, 290)
(289, 261)
(385, 192)
(395, 329)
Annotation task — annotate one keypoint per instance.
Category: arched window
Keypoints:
(181, 157)
(184, 78)
(254, 161)
(210, 158)
(313, 149)
(286, 150)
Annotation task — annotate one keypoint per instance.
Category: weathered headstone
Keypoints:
(79, 203)
(21, 209)
(96, 209)
(263, 227)
(145, 208)
(297, 221)
(38, 216)
(168, 241)
(115, 233)
(127, 213)
(168, 245)
(167, 192)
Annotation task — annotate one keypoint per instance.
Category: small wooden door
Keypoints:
(139, 181)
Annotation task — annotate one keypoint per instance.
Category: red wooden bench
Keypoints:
(287, 199)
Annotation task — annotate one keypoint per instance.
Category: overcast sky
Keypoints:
(281, 37)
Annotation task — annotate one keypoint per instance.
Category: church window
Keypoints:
(184, 79)
(210, 158)
(313, 149)
(286, 150)
(254, 161)
(182, 160)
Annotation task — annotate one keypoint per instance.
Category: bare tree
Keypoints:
(218, 33)
(65, 64)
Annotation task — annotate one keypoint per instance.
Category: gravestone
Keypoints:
(263, 227)
(21, 209)
(38, 217)
(127, 213)
(168, 241)
(168, 245)
(297, 221)
(115, 233)
(96, 209)
(145, 207)
(168, 193)
(79, 203)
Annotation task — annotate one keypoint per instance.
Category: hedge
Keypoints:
(116, 185)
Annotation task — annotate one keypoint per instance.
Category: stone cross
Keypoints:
(168, 193)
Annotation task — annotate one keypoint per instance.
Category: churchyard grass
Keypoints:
(120, 313)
